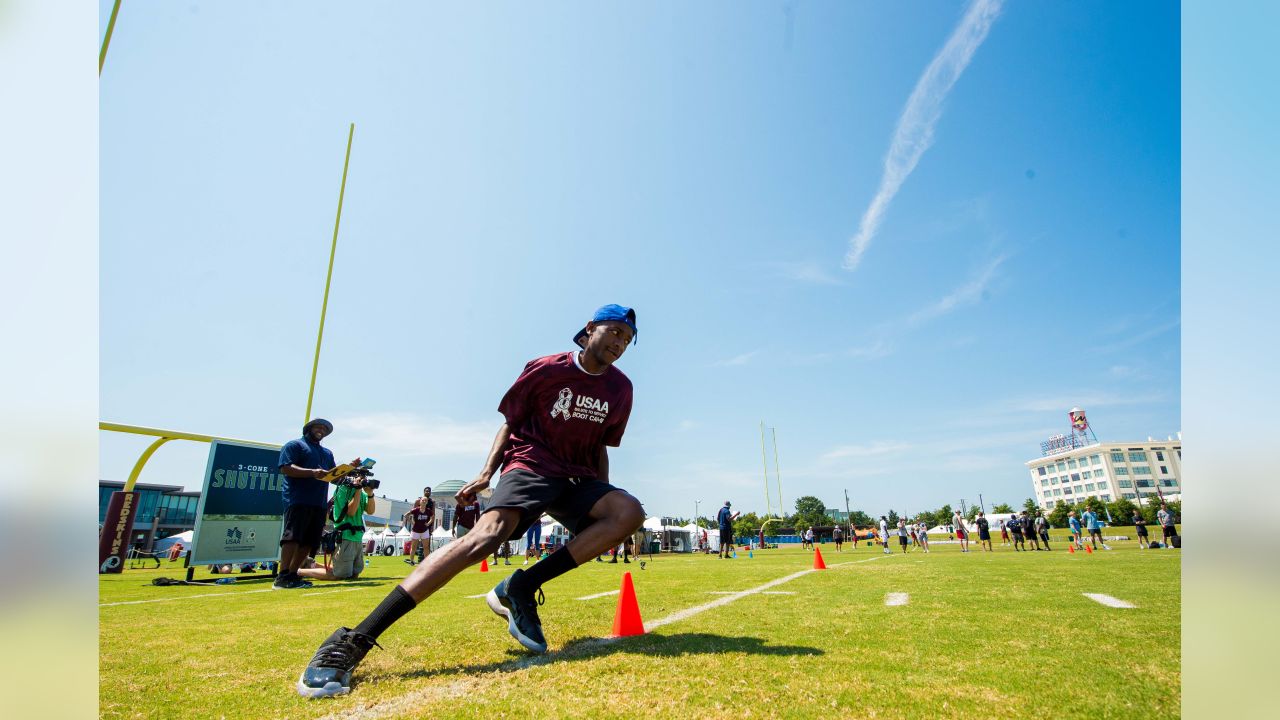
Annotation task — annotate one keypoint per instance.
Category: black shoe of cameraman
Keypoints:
(329, 672)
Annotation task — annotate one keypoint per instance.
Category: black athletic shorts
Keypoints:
(1169, 530)
(303, 524)
(1142, 531)
(902, 540)
(726, 538)
(568, 500)
(984, 534)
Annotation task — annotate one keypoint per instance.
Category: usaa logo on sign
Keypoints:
(233, 536)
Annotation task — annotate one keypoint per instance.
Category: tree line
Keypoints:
(811, 511)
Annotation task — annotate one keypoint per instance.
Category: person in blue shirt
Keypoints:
(1076, 536)
(303, 462)
(725, 518)
(1091, 524)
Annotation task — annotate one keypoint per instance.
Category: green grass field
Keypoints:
(982, 635)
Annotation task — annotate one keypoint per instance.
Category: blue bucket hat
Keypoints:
(317, 421)
(609, 313)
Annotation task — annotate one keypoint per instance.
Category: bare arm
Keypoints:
(467, 494)
(602, 465)
(296, 471)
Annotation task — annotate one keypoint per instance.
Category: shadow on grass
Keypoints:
(266, 580)
(649, 645)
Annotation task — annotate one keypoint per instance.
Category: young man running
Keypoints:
(561, 414)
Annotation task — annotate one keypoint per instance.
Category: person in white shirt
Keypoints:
(962, 534)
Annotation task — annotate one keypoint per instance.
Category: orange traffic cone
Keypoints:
(1071, 548)
(626, 621)
(484, 565)
(817, 560)
(1088, 549)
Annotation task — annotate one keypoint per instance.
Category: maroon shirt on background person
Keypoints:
(560, 415)
(465, 515)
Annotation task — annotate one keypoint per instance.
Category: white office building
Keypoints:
(1108, 471)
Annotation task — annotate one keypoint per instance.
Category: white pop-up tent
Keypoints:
(695, 535)
(439, 538)
(162, 546)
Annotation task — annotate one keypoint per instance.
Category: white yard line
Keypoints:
(722, 601)
(473, 597)
(228, 593)
(1108, 600)
(731, 592)
(894, 599)
(598, 595)
(414, 700)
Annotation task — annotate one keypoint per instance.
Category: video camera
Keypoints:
(361, 476)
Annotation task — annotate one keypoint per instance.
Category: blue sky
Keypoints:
(515, 167)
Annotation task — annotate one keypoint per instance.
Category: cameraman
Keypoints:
(351, 500)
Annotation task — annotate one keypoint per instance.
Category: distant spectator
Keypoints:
(1016, 531)
(1140, 524)
(984, 531)
(1042, 529)
(1167, 526)
(725, 519)
(962, 532)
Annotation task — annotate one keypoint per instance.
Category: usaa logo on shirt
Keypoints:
(581, 408)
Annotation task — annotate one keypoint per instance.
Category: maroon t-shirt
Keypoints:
(560, 415)
(422, 517)
(465, 515)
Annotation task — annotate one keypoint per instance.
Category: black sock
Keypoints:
(392, 609)
(555, 565)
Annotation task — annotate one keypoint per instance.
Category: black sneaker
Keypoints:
(329, 672)
(290, 582)
(510, 599)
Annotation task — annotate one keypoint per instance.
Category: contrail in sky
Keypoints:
(914, 133)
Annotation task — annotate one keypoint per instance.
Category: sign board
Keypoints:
(241, 510)
(113, 543)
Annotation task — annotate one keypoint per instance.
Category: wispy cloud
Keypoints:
(807, 271)
(914, 132)
(742, 359)
(411, 435)
(1138, 338)
(874, 449)
(966, 294)
(877, 349)
(1086, 399)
